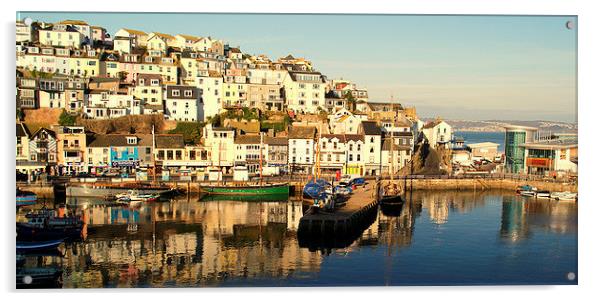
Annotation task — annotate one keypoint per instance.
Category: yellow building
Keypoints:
(235, 94)
(61, 36)
(71, 149)
(84, 63)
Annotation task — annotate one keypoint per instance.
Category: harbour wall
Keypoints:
(483, 184)
(193, 188)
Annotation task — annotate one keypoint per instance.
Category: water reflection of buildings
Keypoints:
(439, 204)
(189, 244)
(514, 219)
(398, 231)
(519, 215)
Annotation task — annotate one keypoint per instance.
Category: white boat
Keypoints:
(542, 194)
(134, 196)
(529, 193)
(564, 196)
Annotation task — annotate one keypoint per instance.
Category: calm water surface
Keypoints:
(439, 238)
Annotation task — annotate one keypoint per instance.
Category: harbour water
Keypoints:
(438, 238)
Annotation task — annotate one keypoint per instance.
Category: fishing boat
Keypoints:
(45, 224)
(25, 198)
(247, 189)
(390, 193)
(564, 196)
(260, 188)
(33, 246)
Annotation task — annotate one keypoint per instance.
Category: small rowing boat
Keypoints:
(26, 198)
(25, 246)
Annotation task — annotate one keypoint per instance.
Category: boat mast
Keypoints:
(260, 157)
(317, 163)
(154, 162)
(391, 146)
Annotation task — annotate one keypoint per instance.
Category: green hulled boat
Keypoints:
(265, 189)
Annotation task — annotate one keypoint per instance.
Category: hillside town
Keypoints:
(137, 104)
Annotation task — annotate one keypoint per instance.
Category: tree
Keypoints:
(191, 131)
(67, 119)
(351, 101)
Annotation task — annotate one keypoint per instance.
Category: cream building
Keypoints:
(304, 91)
(61, 36)
(220, 145)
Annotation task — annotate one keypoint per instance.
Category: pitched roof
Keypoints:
(345, 137)
(75, 22)
(386, 146)
(371, 128)
(50, 132)
(134, 32)
(22, 130)
(169, 141)
(247, 139)
(163, 35)
(276, 141)
(110, 140)
(302, 132)
(189, 37)
(432, 124)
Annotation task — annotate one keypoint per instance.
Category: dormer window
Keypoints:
(131, 140)
(154, 82)
(188, 93)
(175, 92)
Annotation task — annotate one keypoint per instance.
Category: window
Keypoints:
(188, 93)
(350, 158)
(175, 92)
(358, 157)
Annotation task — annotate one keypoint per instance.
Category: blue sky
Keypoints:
(456, 67)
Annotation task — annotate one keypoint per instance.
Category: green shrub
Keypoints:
(192, 131)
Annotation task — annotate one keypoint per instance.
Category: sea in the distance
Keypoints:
(478, 137)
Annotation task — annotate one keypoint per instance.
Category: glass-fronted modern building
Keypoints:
(516, 136)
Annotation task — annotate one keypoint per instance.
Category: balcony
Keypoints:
(71, 146)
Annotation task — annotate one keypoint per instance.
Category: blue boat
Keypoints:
(25, 198)
(25, 246)
(315, 190)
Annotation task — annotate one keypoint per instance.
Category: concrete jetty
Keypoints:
(343, 224)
